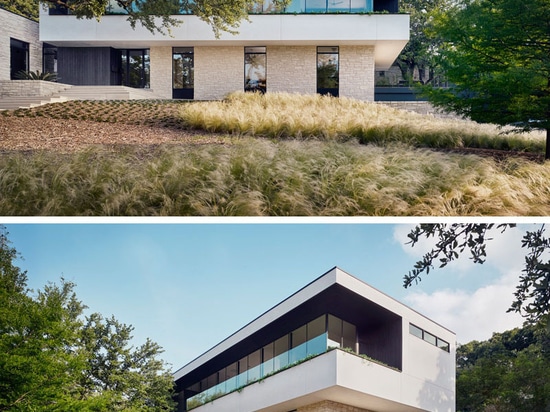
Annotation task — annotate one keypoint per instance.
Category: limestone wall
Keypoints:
(292, 69)
(161, 71)
(19, 28)
(27, 88)
(218, 71)
(357, 72)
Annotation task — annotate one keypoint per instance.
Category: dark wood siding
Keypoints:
(88, 66)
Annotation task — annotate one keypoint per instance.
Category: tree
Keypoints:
(25, 8)
(532, 296)
(52, 358)
(420, 52)
(155, 15)
(508, 372)
(497, 55)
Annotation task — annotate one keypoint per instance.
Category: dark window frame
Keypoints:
(323, 83)
(260, 87)
(19, 46)
(427, 337)
(188, 89)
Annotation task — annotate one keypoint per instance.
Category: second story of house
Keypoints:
(374, 23)
(337, 340)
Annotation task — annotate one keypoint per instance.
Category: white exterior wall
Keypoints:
(357, 72)
(161, 71)
(20, 28)
(339, 377)
(292, 69)
(218, 71)
(426, 381)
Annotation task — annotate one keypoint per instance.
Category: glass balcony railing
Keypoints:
(313, 347)
(295, 6)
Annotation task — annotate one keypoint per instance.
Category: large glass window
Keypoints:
(307, 340)
(255, 72)
(19, 57)
(341, 334)
(327, 70)
(135, 69)
(329, 6)
(183, 79)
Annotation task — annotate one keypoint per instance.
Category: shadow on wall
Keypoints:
(433, 396)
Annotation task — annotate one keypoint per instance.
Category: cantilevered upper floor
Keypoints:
(303, 22)
(337, 339)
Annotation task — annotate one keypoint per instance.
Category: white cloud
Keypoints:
(471, 315)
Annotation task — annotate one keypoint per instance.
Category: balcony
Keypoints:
(337, 376)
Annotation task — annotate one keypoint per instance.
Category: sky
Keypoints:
(189, 285)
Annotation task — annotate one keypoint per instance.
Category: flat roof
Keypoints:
(335, 289)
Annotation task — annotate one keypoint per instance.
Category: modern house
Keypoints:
(336, 345)
(311, 46)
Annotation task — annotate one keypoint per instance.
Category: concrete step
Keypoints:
(13, 103)
(79, 93)
(107, 93)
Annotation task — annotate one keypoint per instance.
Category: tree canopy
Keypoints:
(25, 8)
(496, 53)
(53, 358)
(420, 52)
(506, 373)
(155, 15)
(532, 296)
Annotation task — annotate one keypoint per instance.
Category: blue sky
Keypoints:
(187, 285)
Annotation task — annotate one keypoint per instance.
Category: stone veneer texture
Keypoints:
(357, 72)
(19, 28)
(292, 69)
(161, 71)
(218, 71)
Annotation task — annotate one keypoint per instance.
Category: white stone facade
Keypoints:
(357, 72)
(161, 71)
(218, 71)
(367, 42)
(22, 29)
(292, 69)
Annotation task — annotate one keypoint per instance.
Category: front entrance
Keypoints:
(135, 68)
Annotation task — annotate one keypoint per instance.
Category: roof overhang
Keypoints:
(335, 292)
(387, 33)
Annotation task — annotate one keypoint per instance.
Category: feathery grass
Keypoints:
(255, 177)
(284, 115)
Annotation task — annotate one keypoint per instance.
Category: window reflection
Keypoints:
(255, 69)
(327, 70)
(308, 340)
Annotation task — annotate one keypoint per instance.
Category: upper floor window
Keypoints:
(428, 337)
(268, 6)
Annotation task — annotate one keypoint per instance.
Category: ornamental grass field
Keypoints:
(274, 155)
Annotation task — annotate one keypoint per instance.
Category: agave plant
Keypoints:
(36, 75)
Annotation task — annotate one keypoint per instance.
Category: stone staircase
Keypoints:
(77, 93)
(12, 102)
